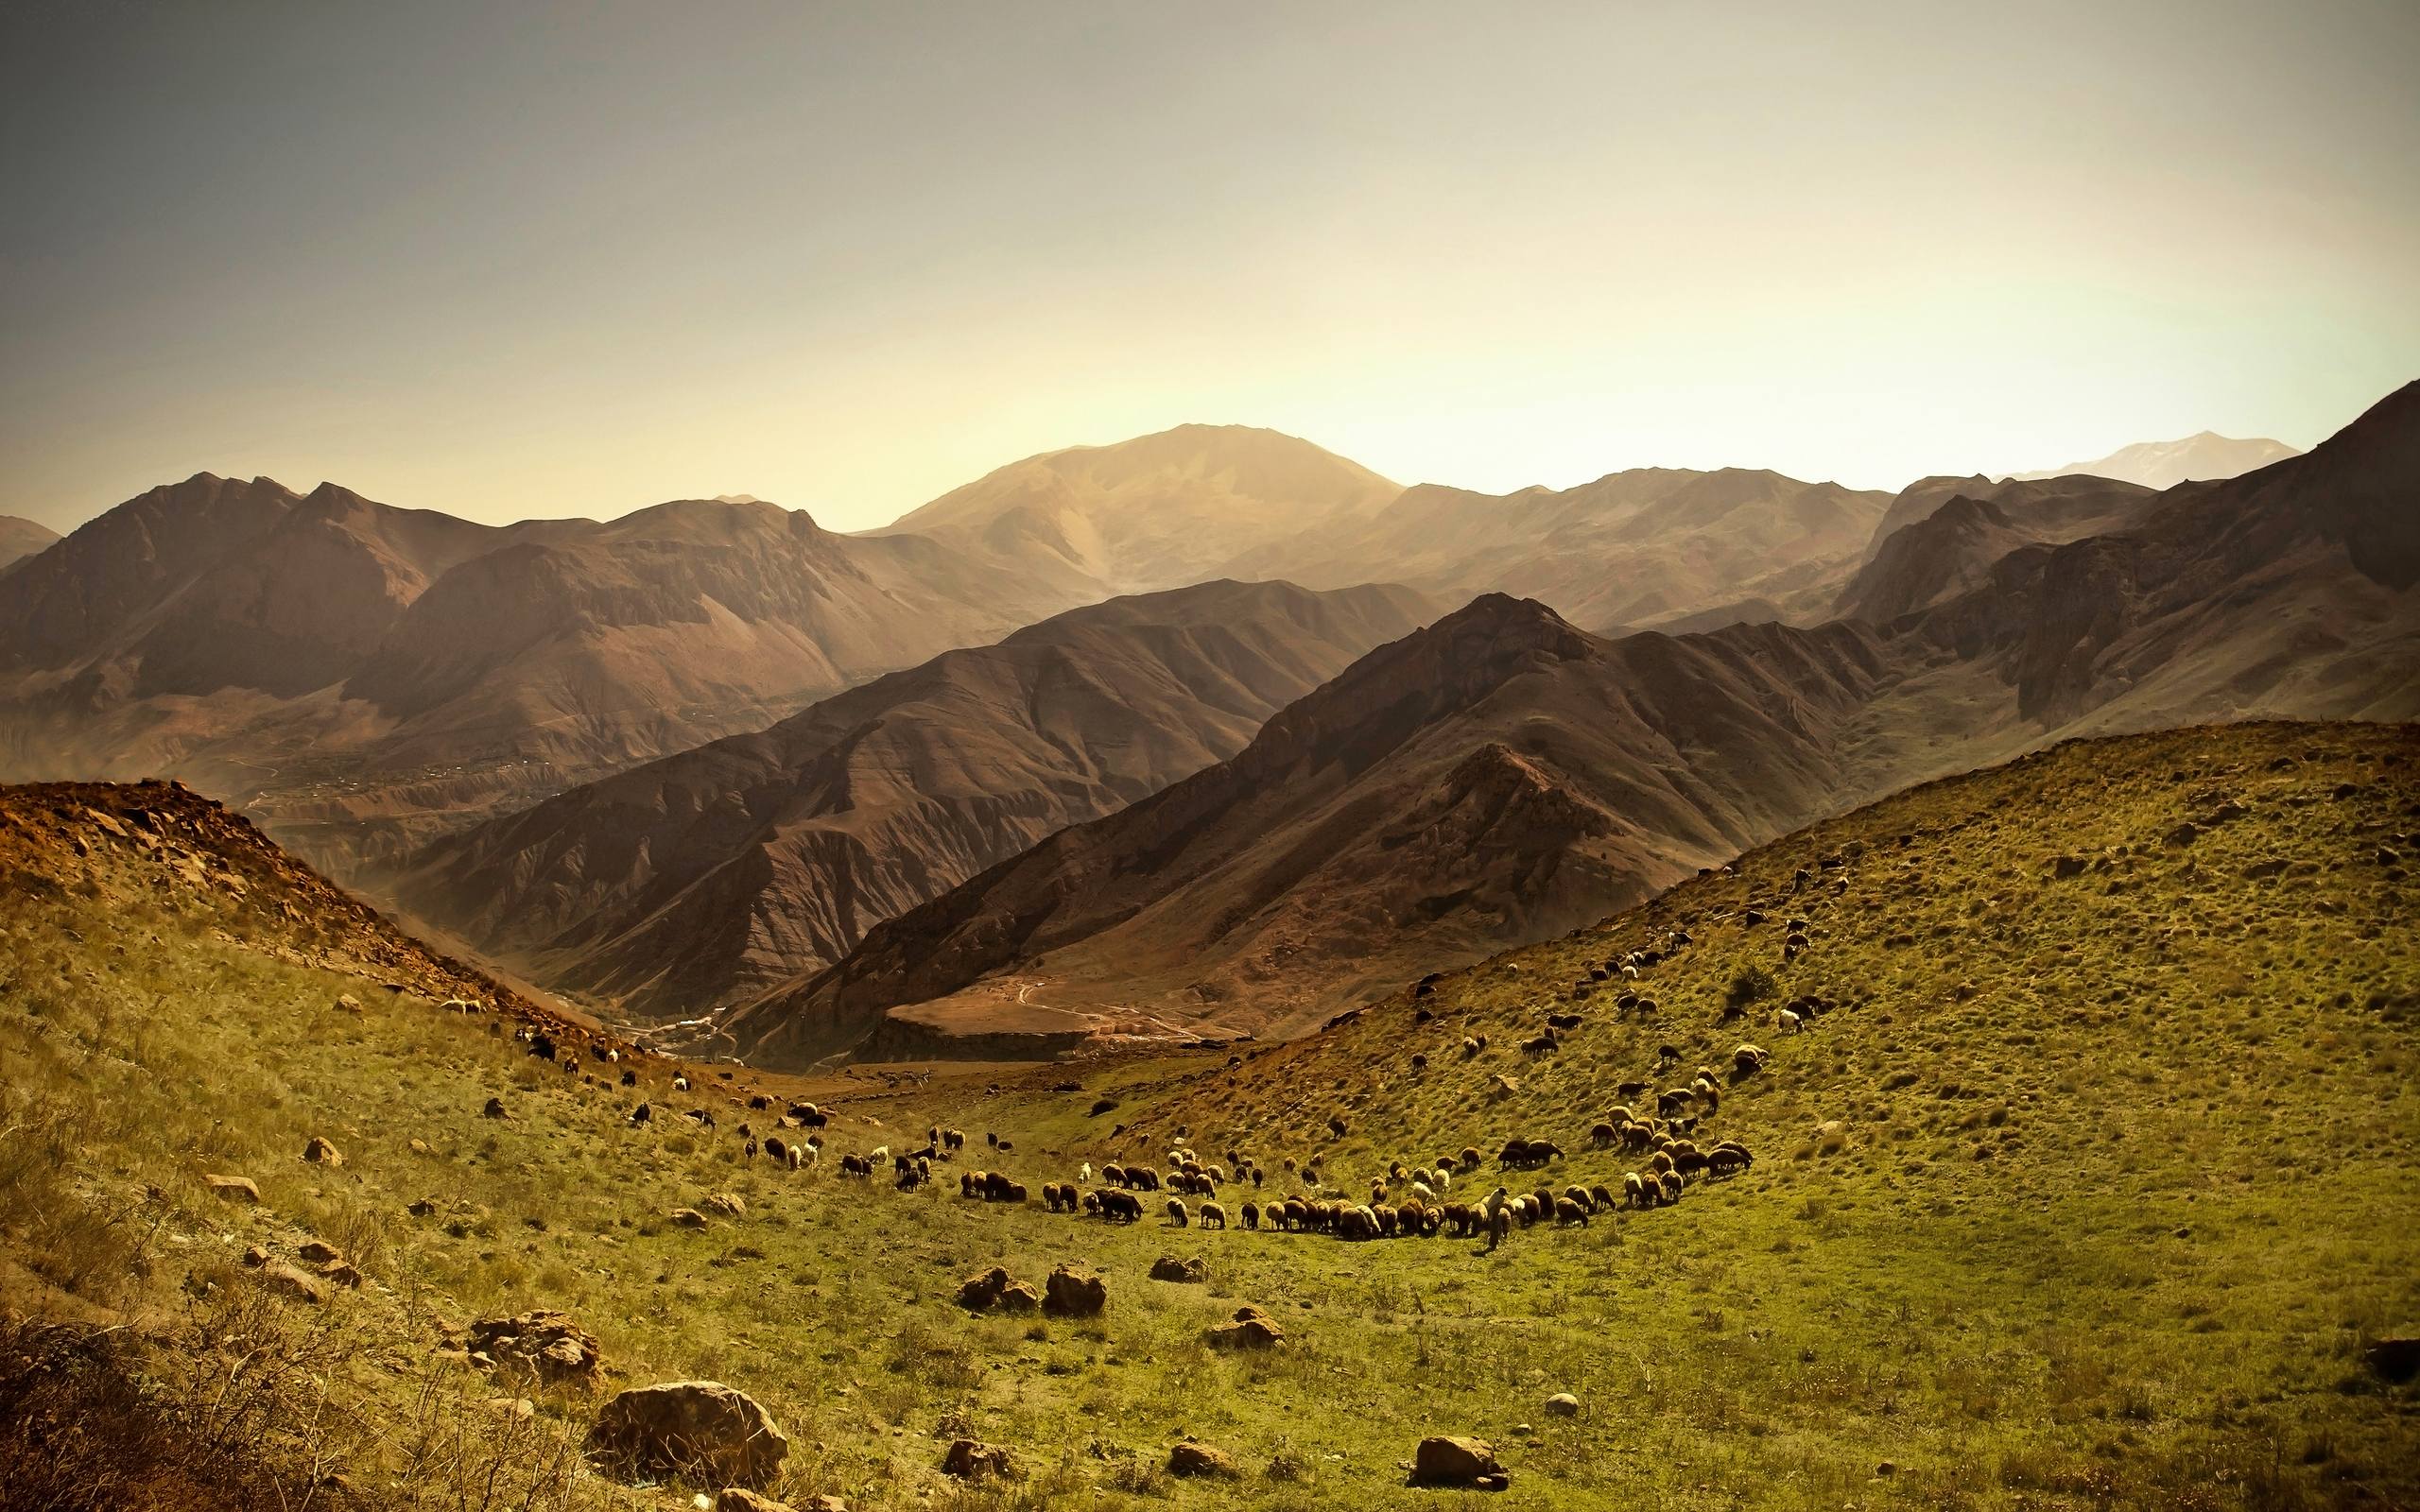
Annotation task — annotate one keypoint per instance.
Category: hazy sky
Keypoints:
(512, 259)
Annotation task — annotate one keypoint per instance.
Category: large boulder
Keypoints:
(544, 1345)
(701, 1428)
(1449, 1461)
(319, 1152)
(2396, 1358)
(1192, 1272)
(971, 1459)
(1071, 1293)
(726, 1203)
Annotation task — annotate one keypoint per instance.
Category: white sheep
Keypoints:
(881, 1153)
(1085, 1173)
(1787, 1021)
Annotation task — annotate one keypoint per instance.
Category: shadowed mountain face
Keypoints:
(355, 675)
(2165, 464)
(671, 887)
(1632, 549)
(1948, 532)
(20, 538)
(1502, 776)
(1159, 512)
(1497, 776)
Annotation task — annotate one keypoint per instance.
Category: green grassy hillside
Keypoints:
(2124, 1181)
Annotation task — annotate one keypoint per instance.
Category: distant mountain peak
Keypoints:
(2203, 456)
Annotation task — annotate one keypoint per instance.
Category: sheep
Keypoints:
(856, 1165)
(1786, 1021)
(641, 1114)
(1213, 1215)
(1633, 1190)
(1747, 1060)
(1671, 1184)
(1470, 1158)
(1470, 1047)
(1339, 1128)
(880, 1154)
(1251, 1216)
(1567, 1211)
(679, 1084)
(1176, 1212)
(1422, 1192)
(953, 1139)
(1602, 1134)
(1441, 1178)
(1602, 1196)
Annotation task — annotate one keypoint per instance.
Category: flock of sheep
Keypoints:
(1406, 1202)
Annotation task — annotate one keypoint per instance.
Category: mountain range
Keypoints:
(1502, 776)
(358, 677)
(1057, 759)
(679, 883)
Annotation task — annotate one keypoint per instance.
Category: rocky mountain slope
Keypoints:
(1941, 535)
(2199, 457)
(1497, 777)
(670, 887)
(1632, 549)
(1523, 777)
(1159, 512)
(357, 676)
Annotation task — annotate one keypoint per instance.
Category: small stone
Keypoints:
(319, 1152)
(1199, 1460)
(232, 1188)
(971, 1459)
(1562, 1404)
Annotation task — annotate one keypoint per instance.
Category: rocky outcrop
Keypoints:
(700, 1429)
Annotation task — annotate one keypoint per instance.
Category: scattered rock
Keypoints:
(1072, 1293)
(740, 1499)
(318, 1251)
(521, 1408)
(319, 1152)
(688, 1217)
(2062, 868)
(1199, 1460)
(1500, 1085)
(1886, 1470)
(700, 1428)
(1252, 1329)
(2183, 834)
(1019, 1297)
(726, 1203)
(1562, 1404)
(347, 1003)
(419, 1146)
(1192, 1272)
(979, 1292)
(972, 1460)
(422, 1208)
(341, 1274)
(232, 1188)
(299, 1284)
(1449, 1461)
(544, 1345)
(494, 1110)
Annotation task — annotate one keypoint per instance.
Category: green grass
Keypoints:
(2127, 1180)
